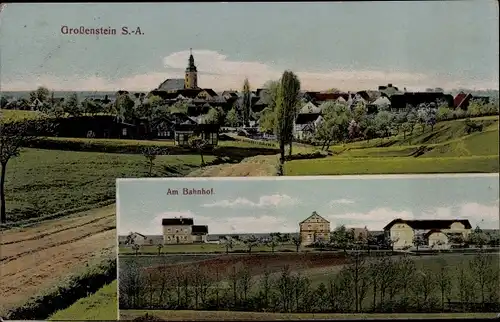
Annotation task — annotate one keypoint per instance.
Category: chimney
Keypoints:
(389, 85)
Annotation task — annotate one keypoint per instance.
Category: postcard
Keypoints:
(322, 247)
(92, 92)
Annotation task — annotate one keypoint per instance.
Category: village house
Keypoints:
(313, 229)
(183, 231)
(434, 233)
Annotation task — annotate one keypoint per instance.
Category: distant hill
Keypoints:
(81, 94)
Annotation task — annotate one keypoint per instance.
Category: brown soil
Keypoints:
(36, 258)
(252, 167)
(260, 263)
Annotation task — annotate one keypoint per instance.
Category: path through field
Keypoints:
(35, 258)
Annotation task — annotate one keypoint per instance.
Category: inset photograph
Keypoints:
(309, 247)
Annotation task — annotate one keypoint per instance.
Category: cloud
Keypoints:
(342, 201)
(219, 72)
(487, 216)
(152, 227)
(264, 202)
(374, 219)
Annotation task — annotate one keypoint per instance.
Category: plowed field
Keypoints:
(36, 258)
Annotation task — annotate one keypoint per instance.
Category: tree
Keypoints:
(159, 246)
(228, 244)
(270, 94)
(200, 145)
(297, 241)
(179, 107)
(3, 102)
(251, 242)
(214, 116)
(125, 108)
(353, 129)
(342, 237)
(136, 248)
(71, 106)
(383, 122)
(286, 104)
(41, 93)
(14, 135)
(267, 121)
(478, 237)
(418, 241)
(335, 124)
(150, 153)
(246, 104)
(232, 118)
(275, 237)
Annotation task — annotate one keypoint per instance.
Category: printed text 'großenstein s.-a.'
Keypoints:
(101, 31)
(190, 191)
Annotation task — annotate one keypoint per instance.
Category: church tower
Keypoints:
(191, 75)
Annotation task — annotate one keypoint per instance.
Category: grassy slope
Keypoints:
(98, 306)
(41, 182)
(449, 149)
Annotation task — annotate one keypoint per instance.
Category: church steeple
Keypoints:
(191, 75)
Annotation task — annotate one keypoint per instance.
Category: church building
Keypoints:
(190, 80)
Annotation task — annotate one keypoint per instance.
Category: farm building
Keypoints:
(434, 232)
(183, 231)
(314, 228)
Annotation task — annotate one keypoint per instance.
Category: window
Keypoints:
(124, 131)
(177, 230)
(168, 229)
(168, 237)
(308, 226)
(185, 230)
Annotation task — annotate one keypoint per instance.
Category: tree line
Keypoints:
(383, 284)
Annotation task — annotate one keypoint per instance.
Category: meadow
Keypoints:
(447, 148)
(313, 283)
(42, 182)
(204, 248)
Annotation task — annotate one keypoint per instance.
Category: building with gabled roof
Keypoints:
(313, 229)
(183, 231)
(402, 233)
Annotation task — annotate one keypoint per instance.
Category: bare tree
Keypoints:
(159, 246)
(150, 153)
(444, 282)
(297, 241)
(200, 145)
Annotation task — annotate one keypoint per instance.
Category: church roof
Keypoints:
(171, 84)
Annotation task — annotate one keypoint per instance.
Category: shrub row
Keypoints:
(304, 156)
(64, 295)
(253, 141)
(64, 213)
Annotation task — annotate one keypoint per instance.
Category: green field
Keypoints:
(41, 182)
(445, 149)
(202, 248)
(257, 316)
(98, 306)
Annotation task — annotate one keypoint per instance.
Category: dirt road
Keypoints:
(35, 258)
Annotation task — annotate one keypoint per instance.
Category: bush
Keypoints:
(304, 156)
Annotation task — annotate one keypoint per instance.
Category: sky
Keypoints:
(264, 205)
(349, 46)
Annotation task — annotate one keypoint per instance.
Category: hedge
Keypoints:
(67, 293)
(137, 148)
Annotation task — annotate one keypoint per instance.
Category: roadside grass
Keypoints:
(43, 182)
(98, 306)
(202, 248)
(179, 315)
